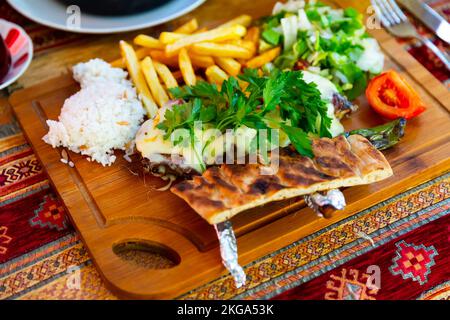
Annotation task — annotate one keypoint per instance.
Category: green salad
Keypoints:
(321, 39)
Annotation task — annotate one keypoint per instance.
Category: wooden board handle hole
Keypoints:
(147, 254)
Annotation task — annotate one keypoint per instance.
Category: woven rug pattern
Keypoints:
(397, 249)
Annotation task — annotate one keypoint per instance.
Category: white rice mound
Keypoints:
(103, 116)
(98, 70)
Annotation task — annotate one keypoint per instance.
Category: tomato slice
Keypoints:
(390, 95)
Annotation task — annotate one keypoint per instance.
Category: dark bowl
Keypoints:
(115, 7)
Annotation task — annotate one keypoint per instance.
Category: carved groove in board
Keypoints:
(99, 217)
(291, 207)
(40, 113)
(74, 174)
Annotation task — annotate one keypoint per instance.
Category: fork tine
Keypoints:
(380, 14)
(389, 7)
(397, 10)
(388, 12)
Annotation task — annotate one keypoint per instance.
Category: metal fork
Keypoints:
(395, 21)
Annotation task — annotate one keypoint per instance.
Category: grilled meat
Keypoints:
(342, 106)
(222, 192)
(166, 167)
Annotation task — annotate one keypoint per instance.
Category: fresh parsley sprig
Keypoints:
(303, 113)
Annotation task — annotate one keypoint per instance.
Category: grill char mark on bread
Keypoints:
(222, 192)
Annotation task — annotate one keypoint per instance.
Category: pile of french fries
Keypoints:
(189, 54)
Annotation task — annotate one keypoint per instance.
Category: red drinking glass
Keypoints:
(5, 59)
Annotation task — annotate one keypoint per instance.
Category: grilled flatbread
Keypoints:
(222, 192)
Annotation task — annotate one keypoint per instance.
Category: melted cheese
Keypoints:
(209, 145)
(151, 144)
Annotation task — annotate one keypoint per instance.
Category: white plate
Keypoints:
(53, 13)
(21, 49)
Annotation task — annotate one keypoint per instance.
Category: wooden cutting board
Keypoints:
(114, 210)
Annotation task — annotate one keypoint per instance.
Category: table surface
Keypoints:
(50, 61)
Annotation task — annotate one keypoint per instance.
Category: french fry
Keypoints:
(140, 53)
(148, 42)
(250, 46)
(186, 68)
(219, 34)
(156, 88)
(243, 20)
(243, 85)
(188, 27)
(221, 50)
(231, 66)
(134, 69)
(216, 75)
(170, 37)
(253, 35)
(201, 30)
(119, 63)
(243, 62)
(201, 61)
(161, 56)
(199, 78)
(167, 37)
(165, 74)
(178, 75)
(263, 58)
